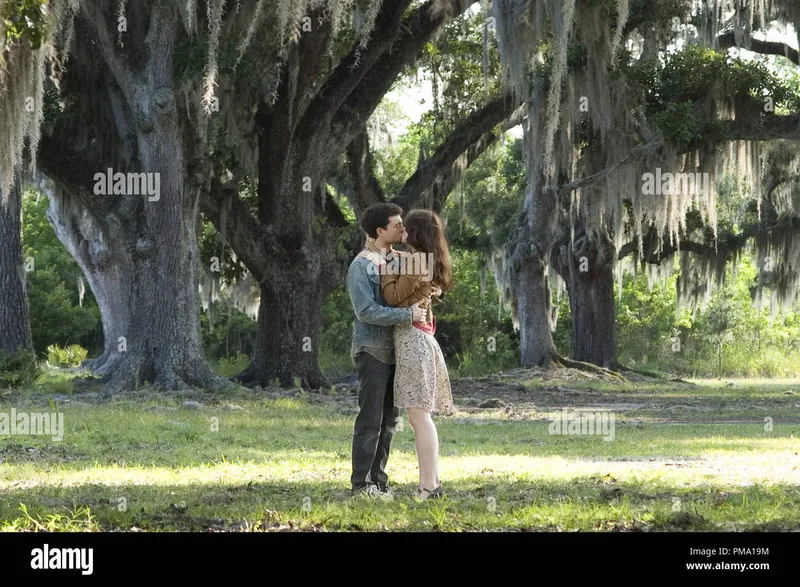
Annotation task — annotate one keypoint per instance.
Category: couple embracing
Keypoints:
(399, 363)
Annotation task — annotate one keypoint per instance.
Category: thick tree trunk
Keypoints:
(287, 346)
(526, 272)
(15, 327)
(593, 325)
(535, 313)
(141, 260)
(300, 270)
(587, 267)
(161, 343)
(295, 279)
(585, 262)
(106, 267)
(139, 250)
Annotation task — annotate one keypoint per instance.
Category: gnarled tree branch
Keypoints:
(728, 40)
(467, 134)
(417, 29)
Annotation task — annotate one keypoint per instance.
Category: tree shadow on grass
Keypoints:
(589, 503)
(182, 440)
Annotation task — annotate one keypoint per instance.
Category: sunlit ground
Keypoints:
(746, 382)
(677, 457)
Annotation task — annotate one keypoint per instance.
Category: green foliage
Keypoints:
(228, 367)
(487, 355)
(683, 92)
(78, 354)
(562, 337)
(55, 318)
(487, 339)
(396, 164)
(727, 338)
(483, 209)
(645, 319)
(18, 369)
(456, 65)
(66, 358)
(337, 332)
(682, 123)
(234, 332)
(217, 256)
(24, 20)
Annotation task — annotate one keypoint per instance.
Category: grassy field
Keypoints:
(700, 456)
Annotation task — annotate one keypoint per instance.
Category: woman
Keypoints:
(421, 383)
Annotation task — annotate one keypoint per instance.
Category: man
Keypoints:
(373, 349)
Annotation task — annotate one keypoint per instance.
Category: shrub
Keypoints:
(493, 354)
(337, 332)
(18, 369)
(66, 358)
(772, 363)
(230, 366)
(78, 354)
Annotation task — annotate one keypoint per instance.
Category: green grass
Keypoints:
(681, 459)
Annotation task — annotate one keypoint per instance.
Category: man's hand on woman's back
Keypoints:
(420, 314)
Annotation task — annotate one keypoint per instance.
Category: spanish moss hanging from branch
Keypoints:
(25, 53)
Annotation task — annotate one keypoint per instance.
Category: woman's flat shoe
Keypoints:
(435, 493)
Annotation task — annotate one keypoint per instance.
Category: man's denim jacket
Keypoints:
(374, 319)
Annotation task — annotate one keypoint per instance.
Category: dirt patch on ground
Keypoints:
(520, 393)
(550, 388)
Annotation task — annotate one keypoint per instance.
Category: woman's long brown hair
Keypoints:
(426, 233)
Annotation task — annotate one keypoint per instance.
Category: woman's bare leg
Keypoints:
(427, 442)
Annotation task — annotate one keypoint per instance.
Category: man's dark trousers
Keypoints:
(376, 421)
